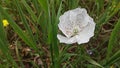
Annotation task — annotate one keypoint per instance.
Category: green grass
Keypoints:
(33, 26)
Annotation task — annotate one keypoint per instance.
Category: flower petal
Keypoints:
(65, 25)
(66, 40)
(67, 31)
(77, 26)
(87, 32)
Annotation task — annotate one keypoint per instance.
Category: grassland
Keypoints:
(30, 39)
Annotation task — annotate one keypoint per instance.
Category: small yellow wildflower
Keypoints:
(5, 23)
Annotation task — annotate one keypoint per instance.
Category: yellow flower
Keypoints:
(5, 23)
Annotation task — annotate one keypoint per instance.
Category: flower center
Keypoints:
(76, 30)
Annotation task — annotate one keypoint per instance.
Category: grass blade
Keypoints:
(44, 5)
(113, 39)
(113, 59)
(2, 32)
(108, 14)
(4, 45)
(17, 29)
(33, 16)
(100, 5)
(92, 61)
(25, 23)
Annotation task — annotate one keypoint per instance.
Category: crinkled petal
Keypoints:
(77, 26)
(66, 40)
(86, 33)
(65, 25)
(82, 18)
(67, 31)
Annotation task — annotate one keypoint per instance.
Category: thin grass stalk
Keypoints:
(37, 7)
(113, 39)
(17, 29)
(111, 10)
(4, 45)
(30, 11)
(25, 22)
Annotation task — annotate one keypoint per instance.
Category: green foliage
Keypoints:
(35, 23)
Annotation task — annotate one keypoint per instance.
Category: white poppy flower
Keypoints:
(77, 26)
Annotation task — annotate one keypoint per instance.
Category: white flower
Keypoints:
(77, 26)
